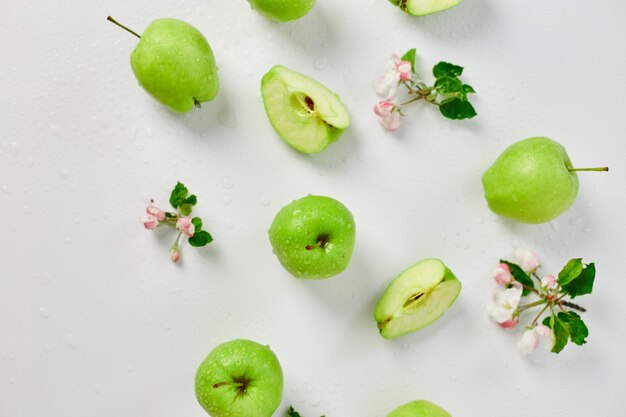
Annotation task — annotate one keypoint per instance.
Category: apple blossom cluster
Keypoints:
(448, 92)
(560, 324)
(189, 226)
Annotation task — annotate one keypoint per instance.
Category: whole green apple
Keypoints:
(533, 181)
(313, 237)
(419, 409)
(240, 378)
(282, 10)
(174, 63)
(416, 298)
(424, 7)
(304, 113)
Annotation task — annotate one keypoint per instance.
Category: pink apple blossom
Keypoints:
(548, 282)
(533, 337)
(185, 225)
(150, 222)
(388, 115)
(502, 274)
(395, 71)
(527, 259)
(503, 309)
(174, 255)
(156, 212)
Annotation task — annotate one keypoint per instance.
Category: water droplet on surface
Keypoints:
(227, 184)
(44, 313)
(15, 149)
(167, 327)
(227, 118)
(130, 368)
(226, 200)
(65, 174)
(6, 189)
(47, 349)
(71, 341)
(265, 202)
(320, 64)
(229, 223)
(27, 209)
(97, 389)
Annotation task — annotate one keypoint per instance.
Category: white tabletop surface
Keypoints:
(95, 320)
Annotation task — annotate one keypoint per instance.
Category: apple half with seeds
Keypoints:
(416, 298)
(304, 113)
(424, 7)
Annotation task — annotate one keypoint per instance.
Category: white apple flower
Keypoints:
(388, 114)
(185, 225)
(549, 282)
(504, 305)
(527, 259)
(502, 274)
(395, 71)
(532, 338)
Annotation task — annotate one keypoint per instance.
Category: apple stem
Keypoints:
(110, 19)
(574, 306)
(601, 169)
(322, 241)
(196, 103)
(221, 384)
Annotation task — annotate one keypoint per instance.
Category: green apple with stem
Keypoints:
(240, 378)
(282, 10)
(416, 298)
(174, 63)
(419, 408)
(532, 181)
(424, 7)
(304, 113)
(313, 237)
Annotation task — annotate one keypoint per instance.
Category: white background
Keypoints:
(94, 318)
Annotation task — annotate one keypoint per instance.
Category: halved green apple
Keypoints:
(304, 113)
(416, 298)
(424, 7)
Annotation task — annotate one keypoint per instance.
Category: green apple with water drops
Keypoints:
(240, 378)
(304, 113)
(419, 408)
(532, 181)
(282, 10)
(424, 7)
(313, 237)
(416, 298)
(174, 63)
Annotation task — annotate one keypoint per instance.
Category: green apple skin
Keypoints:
(240, 361)
(306, 222)
(419, 409)
(531, 181)
(424, 7)
(305, 114)
(416, 298)
(174, 64)
(282, 10)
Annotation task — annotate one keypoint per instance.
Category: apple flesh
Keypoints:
(174, 63)
(533, 181)
(424, 7)
(416, 298)
(304, 113)
(313, 237)
(282, 10)
(419, 409)
(240, 378)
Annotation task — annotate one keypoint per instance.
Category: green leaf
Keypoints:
(410, 56)
(570, 272)
(520, 276)
(192, 200)
(449, 85)
(561, 334)
(179, 193)
(292, 413)
(170, 215)
(457, 109)
(201, 238)
(547, 321)
(197, 222)
(445, 69)
(186, 209)
(583, 283)
(577, 328)
(468, 89)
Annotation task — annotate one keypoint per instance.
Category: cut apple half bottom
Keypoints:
(304, 113)
(424, 7)
(416, 298)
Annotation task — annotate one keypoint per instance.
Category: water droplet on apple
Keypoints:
(227, 118)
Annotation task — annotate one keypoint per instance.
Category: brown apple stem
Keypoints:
(110, 19)
(196, 103)
(221, 384)
(322, 241)
(573, 306)
(601, 169)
